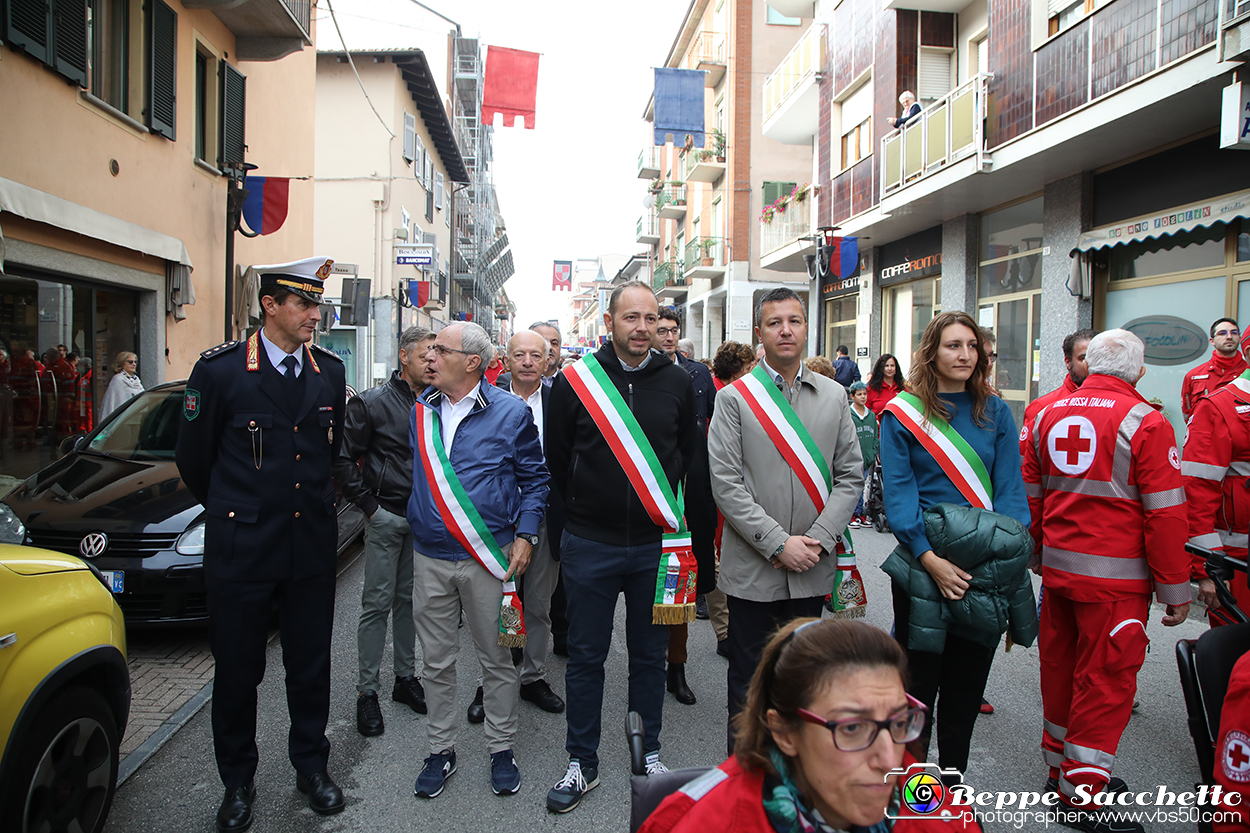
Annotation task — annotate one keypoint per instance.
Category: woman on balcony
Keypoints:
(911, 109)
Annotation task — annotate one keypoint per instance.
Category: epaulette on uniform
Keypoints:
(329, 353)
(225, 347)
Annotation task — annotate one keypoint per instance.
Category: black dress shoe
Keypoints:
(722, 648)
(324, 796)
(477, 712)
(369, 714)
(408, 691)
(235, 812)
(677, 683)
(541, 695)
(700, 607)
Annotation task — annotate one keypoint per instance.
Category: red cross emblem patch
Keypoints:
(1072, 443)
(1235, 757)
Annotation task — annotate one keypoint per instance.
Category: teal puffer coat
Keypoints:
(995, 550)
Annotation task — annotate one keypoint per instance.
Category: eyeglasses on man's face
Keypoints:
(664, 332)
(443, 350)
(855, 734)
(1227, 333)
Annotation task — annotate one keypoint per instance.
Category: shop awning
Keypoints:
(33, 204)
(1197, 215)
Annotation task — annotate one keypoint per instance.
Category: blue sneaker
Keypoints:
(505, 778)
(434, 774)
(568, 791)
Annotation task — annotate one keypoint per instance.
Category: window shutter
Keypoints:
(410, 136)
(775, 190)
(934, 75)
(27, 26)
(983, 56)
(418, 159)
(429, 205)
(162, 68)
(233, 111)
(438, 190)
(69, 39)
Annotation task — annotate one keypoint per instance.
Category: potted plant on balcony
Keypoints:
(718, 143)
(800, 192)
(679, 197)
(706, 244)
(656, 185)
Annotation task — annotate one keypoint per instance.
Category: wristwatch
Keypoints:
(533, 539)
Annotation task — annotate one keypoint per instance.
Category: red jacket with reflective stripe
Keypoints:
(1103, 477)
(1217, 472)
(1035, 407)
(1207, 378)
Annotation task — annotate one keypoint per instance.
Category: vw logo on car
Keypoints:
(93, 545)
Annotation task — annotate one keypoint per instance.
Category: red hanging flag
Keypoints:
(511, 86)
(423, 294)
(562, 275)
(265, 207)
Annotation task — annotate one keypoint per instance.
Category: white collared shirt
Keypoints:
(452, 415)
(535, 401)
(641, 364)
(781, 381)
(276, 354)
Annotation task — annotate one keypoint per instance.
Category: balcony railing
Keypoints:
(708, 48)
(649, 162)
(671, 195)
(648, 229)
(803, 63)
(301, 10)
(950, 129)
(711, 154)
(669, 273)
(705, 253)
(785, 228)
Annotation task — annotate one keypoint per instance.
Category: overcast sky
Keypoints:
(567, 188)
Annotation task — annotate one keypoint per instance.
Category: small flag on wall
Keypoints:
(562, 275)
(264, 210)
(844, 259)
(511, 86)
(419, 293)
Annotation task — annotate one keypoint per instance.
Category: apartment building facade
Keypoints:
(122, 122)
(701, 222)
(1066, 171)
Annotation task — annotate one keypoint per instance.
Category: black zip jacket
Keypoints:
(375, 432)
(600, 502)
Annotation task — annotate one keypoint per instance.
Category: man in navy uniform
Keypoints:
(261, 427)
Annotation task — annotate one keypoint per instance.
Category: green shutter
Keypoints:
(162, 68)
(233, 109)
(28, 27)
(69, 39)
(775, 190)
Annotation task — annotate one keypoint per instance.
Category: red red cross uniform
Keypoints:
(1103, 477)
(1035, 407)
(1207, 378)
(1217, 479)
(1232, 748)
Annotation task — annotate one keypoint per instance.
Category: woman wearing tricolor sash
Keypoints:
(947, 440)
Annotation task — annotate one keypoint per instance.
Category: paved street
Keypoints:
(178, 788)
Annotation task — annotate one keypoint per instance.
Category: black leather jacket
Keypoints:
(375, 432)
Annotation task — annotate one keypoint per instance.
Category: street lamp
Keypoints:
(236, 193)
(818, 263)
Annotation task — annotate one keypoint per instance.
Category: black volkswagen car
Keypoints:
(117, 500)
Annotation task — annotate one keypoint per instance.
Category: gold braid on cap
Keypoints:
(305, 287)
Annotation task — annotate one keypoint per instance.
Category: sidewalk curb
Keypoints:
(131, 763)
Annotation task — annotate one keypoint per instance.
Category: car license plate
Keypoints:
(115, 578)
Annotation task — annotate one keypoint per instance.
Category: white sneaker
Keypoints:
(654, 766)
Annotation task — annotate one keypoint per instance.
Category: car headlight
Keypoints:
(12, 530)
(191, 542)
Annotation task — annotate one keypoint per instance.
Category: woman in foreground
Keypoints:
(825, 723)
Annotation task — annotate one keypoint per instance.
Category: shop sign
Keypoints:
(837, 287)
(1235, 117)
(1169, 340)
(918, 256)
(1222, 209)
(416, 254)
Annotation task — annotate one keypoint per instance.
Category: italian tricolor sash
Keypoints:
(799, 449)
(677, 573)
(788, 433)
(465, 523)
(952, 452)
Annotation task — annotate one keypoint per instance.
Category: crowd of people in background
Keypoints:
(519, 495)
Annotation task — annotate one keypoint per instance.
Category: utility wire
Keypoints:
(352, 63)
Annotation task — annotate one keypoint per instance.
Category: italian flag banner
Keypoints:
(676, 575)
(799, 449)
(952, 452)
(465, 523)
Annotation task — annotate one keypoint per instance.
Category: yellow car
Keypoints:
(64, 692)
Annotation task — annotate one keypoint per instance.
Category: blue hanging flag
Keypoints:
(679, 105)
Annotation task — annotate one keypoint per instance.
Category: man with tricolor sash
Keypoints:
(786, 474)
(620, 439)
(479, 494)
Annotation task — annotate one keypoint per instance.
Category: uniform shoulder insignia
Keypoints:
(326, 352)
(219, 349)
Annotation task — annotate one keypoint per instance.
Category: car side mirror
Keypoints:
(70, 444)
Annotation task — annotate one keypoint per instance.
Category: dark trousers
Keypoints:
(559, 613)
(238, 629)
(595, 574)
(750, 626)
(958, 675)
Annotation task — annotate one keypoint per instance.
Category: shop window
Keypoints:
(908, 309)
(841, 324)
(1243, 247)
(1199, 249)
(1011, 250)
